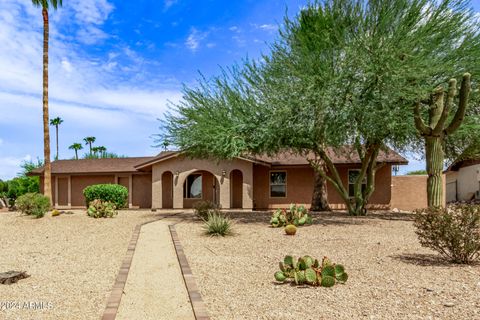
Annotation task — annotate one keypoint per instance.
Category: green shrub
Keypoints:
(290, 229)
(101, 209)
(454, 231)
(33, 204)
(202, 208)
(114, 193)
(217, 224)
(296, 215)
(307, 270)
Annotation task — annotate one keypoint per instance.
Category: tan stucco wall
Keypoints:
(186, 166)
(300, 185)
(142, 190)
(410, 192)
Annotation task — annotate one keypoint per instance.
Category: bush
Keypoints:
(113, 193)
(33, 204)
(101, 209)
(202, 208)
(454, 231)
(217, 224)
(290, 229)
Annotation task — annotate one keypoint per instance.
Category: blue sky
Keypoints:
(114, 65)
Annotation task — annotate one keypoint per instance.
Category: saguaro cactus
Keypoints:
(435, 131)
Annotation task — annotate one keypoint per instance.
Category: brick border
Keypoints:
(199, 309)
(113, 301)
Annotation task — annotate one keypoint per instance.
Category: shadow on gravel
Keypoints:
(427, 260)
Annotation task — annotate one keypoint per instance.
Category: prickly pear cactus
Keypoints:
(308, 270)
(296, 215)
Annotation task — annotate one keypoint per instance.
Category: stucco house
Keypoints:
(172, 180)
(463, 180)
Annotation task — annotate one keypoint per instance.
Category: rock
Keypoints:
(429, 289)
(449, 304)
(10, 277)
(396, 210)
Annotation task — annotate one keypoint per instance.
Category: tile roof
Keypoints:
(117, 165)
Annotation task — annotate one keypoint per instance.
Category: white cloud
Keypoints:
(168, 4)
(266, 27)
(66, 65)
(11, 166)
(194, 39)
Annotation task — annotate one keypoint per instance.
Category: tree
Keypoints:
(102, 151)
(437, 128)
(45, 5)
(342, 73)
(76, 146)
(89, 141)
(56, 122)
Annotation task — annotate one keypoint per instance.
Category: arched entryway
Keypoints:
(167, 190)
(236, 189)
(200, 186)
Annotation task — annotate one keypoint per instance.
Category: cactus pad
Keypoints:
(342, 278)
(300, 277)
(311, 276)
(327, 281)
(309, 261)
(280, 276)
(328, 271)
(339, 269)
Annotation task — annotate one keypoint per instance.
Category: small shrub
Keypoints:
(202, 208)
(290, 229)
(33, 204)
(217, 224)
(114, 193)
(307, 270)
(101, 209)
(454, 231)
(296, 215)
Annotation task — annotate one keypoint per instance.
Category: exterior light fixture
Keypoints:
(224, 173)
(177, 173)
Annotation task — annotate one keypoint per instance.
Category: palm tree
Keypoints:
(95, 151)
(89, 141)
(102, 151)
(56, 122)
(47, 189)
(76, 146)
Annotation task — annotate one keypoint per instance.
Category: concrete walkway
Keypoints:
(155, 288)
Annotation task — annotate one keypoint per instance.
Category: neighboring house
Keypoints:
(463, 180)
(172, 180)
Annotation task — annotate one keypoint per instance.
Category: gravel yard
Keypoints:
(390, 275)
(72, 259)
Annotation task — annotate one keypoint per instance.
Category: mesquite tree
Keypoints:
(436, 128)
(343, 72)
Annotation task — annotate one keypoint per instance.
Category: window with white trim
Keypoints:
(192, 189)
(278, 184)
(352, 177)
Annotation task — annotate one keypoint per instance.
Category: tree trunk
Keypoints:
(320, 194)
(47, 189)
(76, 154)
(56, 137)
(434, 158)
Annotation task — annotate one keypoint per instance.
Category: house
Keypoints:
(463, 180)
(172, 180)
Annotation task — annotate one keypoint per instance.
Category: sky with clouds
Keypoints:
(115, 65)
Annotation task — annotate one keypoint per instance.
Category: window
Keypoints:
(192, 189)
(352, 176)
(278, 184)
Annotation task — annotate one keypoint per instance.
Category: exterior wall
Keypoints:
(81, 182)
(182, 167)
(300, 184)
(468, 182)
(142, 190)
(410, 192)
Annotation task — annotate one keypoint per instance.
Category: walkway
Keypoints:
(155, 287)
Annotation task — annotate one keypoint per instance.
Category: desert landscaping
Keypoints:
(390, 274)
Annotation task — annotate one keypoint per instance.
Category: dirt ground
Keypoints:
(72, 260)
(390, 275)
